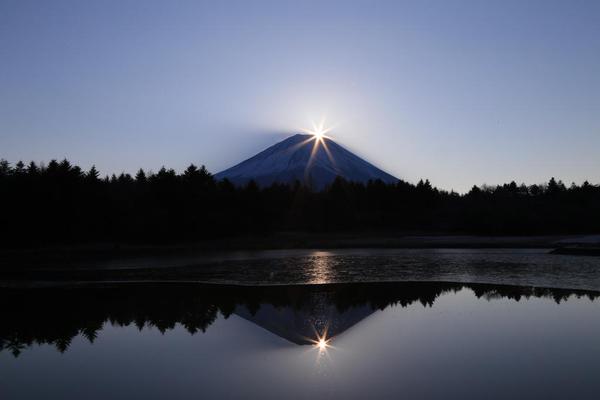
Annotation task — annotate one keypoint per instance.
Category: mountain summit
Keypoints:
(313, 160)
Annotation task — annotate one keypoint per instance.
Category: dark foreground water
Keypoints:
(386, 340)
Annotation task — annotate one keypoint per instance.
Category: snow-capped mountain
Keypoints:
(306, 158)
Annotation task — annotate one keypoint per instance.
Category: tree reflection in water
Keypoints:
(298, 313)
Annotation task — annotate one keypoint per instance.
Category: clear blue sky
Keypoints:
(460, 92)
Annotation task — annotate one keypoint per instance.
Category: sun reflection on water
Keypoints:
(322, 344)
(320, 268)
(321, 341)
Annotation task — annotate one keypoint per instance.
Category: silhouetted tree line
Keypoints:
(56, 316)
(61, 203)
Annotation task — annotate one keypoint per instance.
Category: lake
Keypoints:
(346, 340)
(525, 267)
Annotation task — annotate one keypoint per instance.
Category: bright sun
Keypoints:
(318, 131)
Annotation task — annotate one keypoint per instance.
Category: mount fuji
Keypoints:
(311, 159)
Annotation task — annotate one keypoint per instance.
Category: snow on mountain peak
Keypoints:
(312, 160)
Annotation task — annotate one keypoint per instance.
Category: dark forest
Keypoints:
(59, 203)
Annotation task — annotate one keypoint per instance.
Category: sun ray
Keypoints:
(298, 145)
(329, 155)
(311, 159)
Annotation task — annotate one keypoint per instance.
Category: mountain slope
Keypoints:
(304, 158)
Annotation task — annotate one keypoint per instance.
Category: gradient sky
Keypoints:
(460, 92)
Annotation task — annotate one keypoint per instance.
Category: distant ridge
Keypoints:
(313, 161)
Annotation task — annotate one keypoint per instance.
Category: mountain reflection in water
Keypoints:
(430, 340)
(299, 313)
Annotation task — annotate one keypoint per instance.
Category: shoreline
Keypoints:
(292, 240)
(82, 285)
(73, 256)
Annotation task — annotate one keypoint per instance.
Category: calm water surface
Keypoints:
(387, 340)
